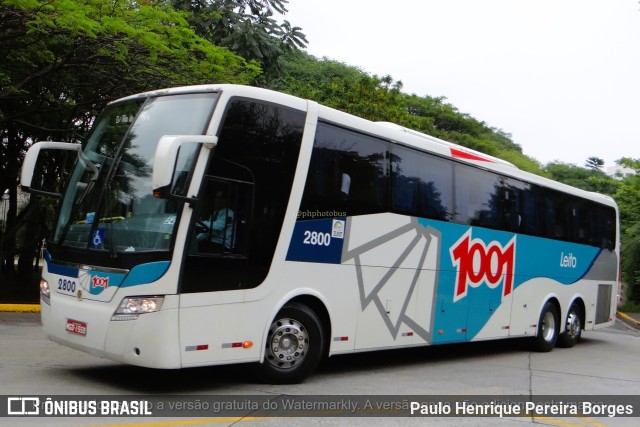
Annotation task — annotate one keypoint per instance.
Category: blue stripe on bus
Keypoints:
(563, 262)
(535, 256)
(61, 270)
(145, 273)
(140, 274)
(461, 316)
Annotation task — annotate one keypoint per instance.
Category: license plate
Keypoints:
(76, 327)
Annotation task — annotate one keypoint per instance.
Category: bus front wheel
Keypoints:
(294, 347)
(548, 326)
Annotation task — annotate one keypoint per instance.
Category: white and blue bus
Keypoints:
(221, 224)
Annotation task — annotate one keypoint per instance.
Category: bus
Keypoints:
(225, 224)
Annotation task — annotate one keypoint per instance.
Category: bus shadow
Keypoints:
(135, 379)
(223, 379)
(422, 355)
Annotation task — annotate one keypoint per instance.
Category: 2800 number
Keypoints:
(315, 238)
(66, 285)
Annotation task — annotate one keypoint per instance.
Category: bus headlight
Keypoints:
(131, 307)
(45, 291)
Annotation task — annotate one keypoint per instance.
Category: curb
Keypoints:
(629, 319)
(22, 308)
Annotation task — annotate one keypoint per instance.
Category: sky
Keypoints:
(561, 76)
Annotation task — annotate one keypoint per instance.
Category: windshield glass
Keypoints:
(109, 204)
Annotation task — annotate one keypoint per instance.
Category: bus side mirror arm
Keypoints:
(31, 158)
(166, 156)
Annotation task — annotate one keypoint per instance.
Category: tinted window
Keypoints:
(348, 176)
(421, 184)
(602, 226)
(477, 198)
(557, 208)
(347, 173)
(532, 210)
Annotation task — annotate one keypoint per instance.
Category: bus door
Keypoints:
(217, 257)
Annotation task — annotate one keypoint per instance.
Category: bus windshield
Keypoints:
(109, 204)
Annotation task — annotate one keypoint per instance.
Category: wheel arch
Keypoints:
(319, 307)
(547, 334)
(553, 299)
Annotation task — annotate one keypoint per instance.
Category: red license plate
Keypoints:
(76, 327)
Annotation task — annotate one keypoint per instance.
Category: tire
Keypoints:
(573, 328)
(548, 326)
(295, 345)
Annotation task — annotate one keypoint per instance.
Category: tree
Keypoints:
(350, 89)
(61, 60)
(628, 198)
(589, 179)
(594, 163)
(247, 28)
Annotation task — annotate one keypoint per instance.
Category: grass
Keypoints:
(630, 307)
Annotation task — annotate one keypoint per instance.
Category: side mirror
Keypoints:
(31, 158)
(166, 157)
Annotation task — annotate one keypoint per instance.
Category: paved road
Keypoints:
(605, 363)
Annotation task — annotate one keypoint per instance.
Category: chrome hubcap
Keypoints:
(573, 325)
(287, 343)
(548, 326)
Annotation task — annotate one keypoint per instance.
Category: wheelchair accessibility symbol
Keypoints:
(97, 242)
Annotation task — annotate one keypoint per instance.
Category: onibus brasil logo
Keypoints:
(478, 263)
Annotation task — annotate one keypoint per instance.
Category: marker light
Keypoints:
(131, 307)
(45, 291)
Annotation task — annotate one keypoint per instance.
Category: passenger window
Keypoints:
(347, 173)
(477, 197)
(421, 184)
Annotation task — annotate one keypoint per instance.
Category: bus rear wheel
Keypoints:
(548, 326)
(573, 328)
(294, 347)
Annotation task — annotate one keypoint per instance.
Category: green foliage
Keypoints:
(630, 307)
(520, 160)
(628, 198)
(61, 60)
(577, 176)
(350, 89)
(145, 42)
(586, 178)
(594, 163)
(631, 263)
(247, 28)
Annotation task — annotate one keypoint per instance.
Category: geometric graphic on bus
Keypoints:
(410, 253)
